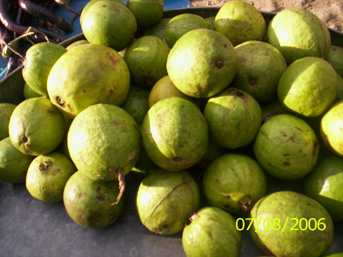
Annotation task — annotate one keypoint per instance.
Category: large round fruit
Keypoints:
(147, 12)
(6, 111)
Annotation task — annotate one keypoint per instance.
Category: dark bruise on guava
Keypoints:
(147, 12)
(92, 203)
(165, 200)
(137, 104)
(6, 111)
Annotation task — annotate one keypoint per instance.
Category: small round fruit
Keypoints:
(13, 164)
(234, 118)
(147, 12)
(278, 226)
(202, 63)
(234, 183)
(286, 147)
(108, 23)
(211, 232)
(308, 86)
(29, 92)
(47, 176)
(335, 57)
(137, 104)
(175, 134)
(36, 127)
(6, 111)
(146, 59)
(165, 200)
(91, 203)
(240, 22)
(299, 33)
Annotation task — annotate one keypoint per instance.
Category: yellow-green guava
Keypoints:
(6, 111)
(137, 104)
(147, 12)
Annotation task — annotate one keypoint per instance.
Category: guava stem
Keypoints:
(122, 188)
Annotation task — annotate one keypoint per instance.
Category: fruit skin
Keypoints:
(211, 23)
(286, 147)
(13, 164)
(181, 24)
(104, 142)
(210, 65)
(78, 42)
(325, 185)
(240, 22)
(284, 242)
(158, 30)
(165, 200)
(147, 12)
(308, 86)
(335, 58)
(211, 232)
(146, 59)
(175, 134)
(234, 182)
(6, 111)
(91, 203)
(36, 127)
(236, 109)
(164, 88)
(108, 23)
(331, 126)
(29, 93)
(137, 104)
(340, 254)
(77, 81)
(39, 60)
(47, 176)
(260, 68)
(299, 33)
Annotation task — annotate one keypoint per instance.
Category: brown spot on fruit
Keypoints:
(219, 63)
(177, 159)
(286, 163)
(24, 139)
(44, 166)
(60, 101)
(113, 58)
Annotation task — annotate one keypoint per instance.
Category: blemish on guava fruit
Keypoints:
(44, 166)
(24, 139)
(60, 101)
(219, 63)
(286, 163)
(99, 196)
(113, 59)
(177, 159)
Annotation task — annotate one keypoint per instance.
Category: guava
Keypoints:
(92, 203)
(240, 22)
(87, 75)
(39, 60)
(165, 200)
(234, 182)
(147, 12)
(137, 104)
(325, 185)
(6, 111)
(36, 127)
(340, 254)
(146, 59)
(260, 68)
(47, 176)
(233, 117)
(286, 147)
(164, 88)
(175, 134)
(158, 30)
(211, 232)
(77, 43)
(29, 92)
(108, 23)
(272, 109)
(211, 23)
(202, 63)
(298, 33)
(13, 164)
(331, 128)
(279, 229)
(308, 86)
(181, 24)
(335, 58)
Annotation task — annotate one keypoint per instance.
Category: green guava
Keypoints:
(36, 127)
(77, 43)
(211, 23)
(298, 33)
(29, 92)
(234, 118)
(260, 68)
(325, 185)
(308, 86)
(234, 183)
(272, 109)
(331, 128)
(92, 203)
(159, 29)
(137, 104)
(286, 147)
(47, 176)
(108, 23)
(335, 57)
(164, 88)
(87, 75)
(165, 200)
(147, 12)
(202, 63)
(39, 60)
(211, 232)
(13, 164)
(6, 111)
(146, 59)
(340, 254)
(181, 24)
(240, 22)
(175, 134)
(280, 228)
